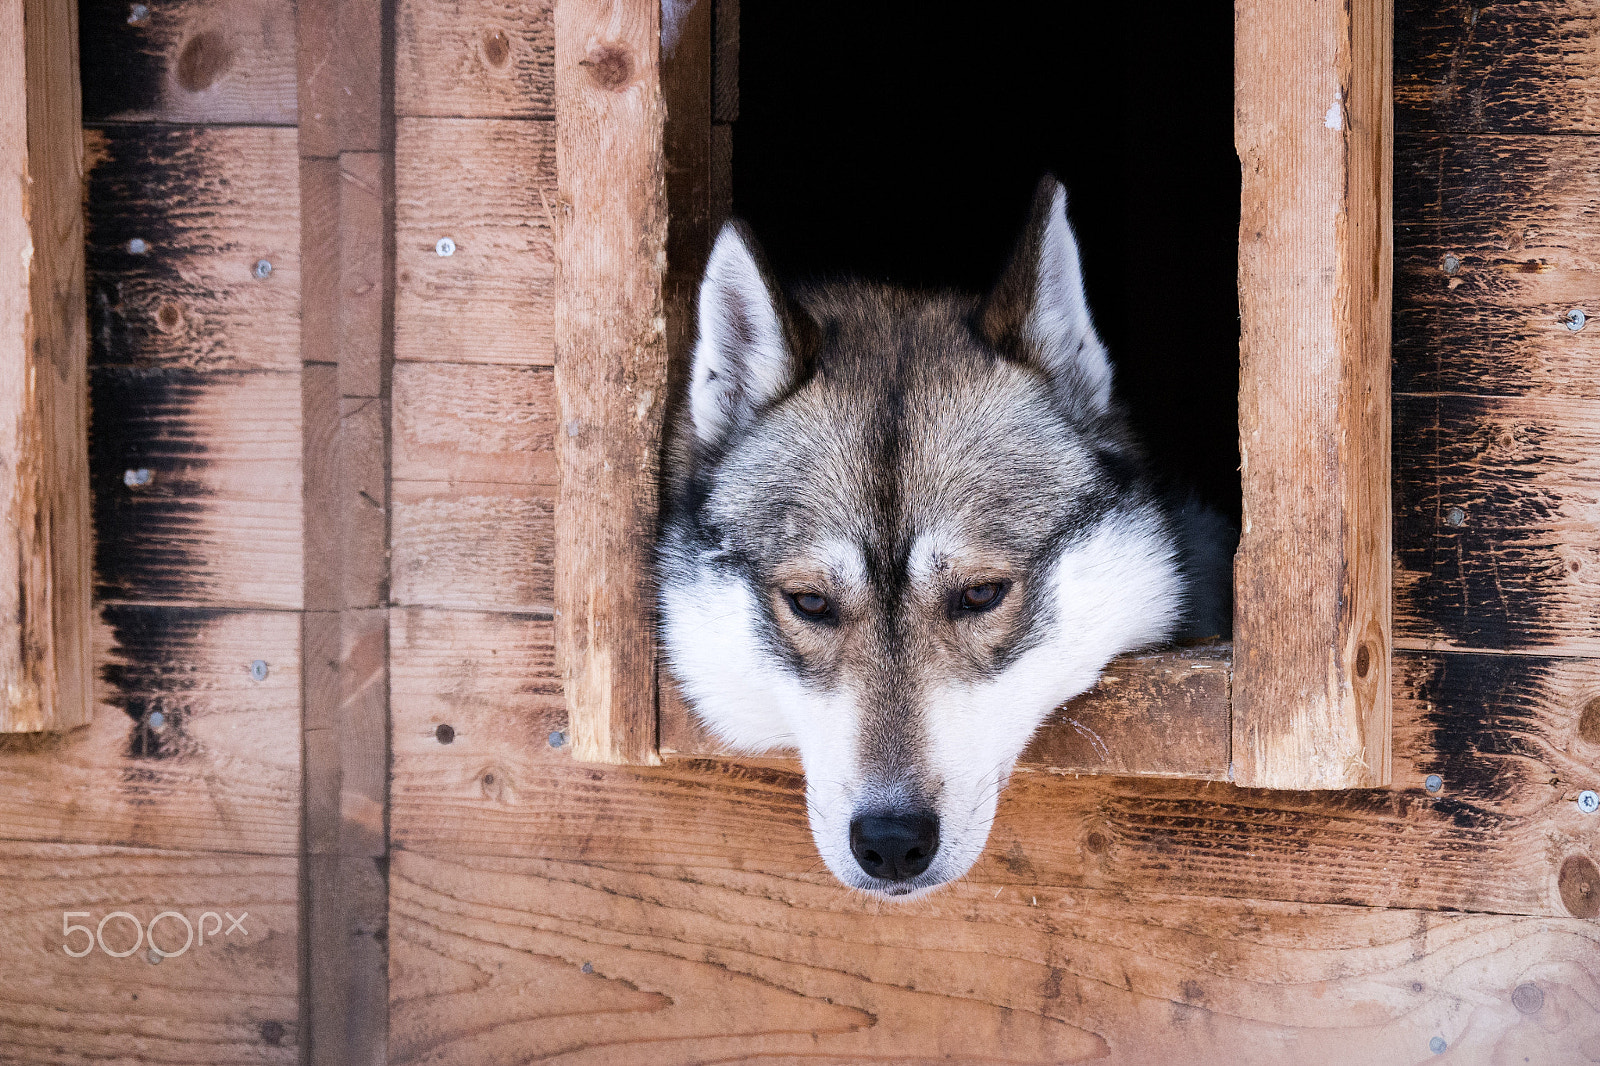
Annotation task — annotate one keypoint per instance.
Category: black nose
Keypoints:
(895, 847)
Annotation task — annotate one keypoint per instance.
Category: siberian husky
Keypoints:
(900, 528)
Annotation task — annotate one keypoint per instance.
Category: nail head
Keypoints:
(137, 13)
(445, 247)
(1433, 783)
(263, 269)
(156, 720)
(1437, 1045)
(1451, 264)
(1456, 516)
(558, 739)
(1527, 998)
(138, 246)
(258, 670)
(136, 479)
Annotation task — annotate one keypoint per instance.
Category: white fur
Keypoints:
(733, 377)
(1058, 323)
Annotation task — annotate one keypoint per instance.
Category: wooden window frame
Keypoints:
(1301, 700)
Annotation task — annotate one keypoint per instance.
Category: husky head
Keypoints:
(902, 528)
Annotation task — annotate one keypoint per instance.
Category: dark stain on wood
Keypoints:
(151, 669)
(123, 64)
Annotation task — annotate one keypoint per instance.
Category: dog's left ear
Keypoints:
(1038, 311)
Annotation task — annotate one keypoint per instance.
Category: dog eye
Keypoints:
(809, 604)
(982, 597)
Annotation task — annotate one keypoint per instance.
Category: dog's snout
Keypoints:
(895, 847)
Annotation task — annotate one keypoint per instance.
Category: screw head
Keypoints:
(445, 247)
(137, 13)
(263, 269)
(156, 720)
(1575, 319)
(138, 246)
(153, 956)
(1588, 801)
(1433, 783)
(136, 479)
(258, 670)
(1456, 516)
(1451, 264)
(1437, 1045)
(558, 739)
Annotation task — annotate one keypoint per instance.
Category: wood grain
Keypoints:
(1311, 618)
(1496, 505)
(230, 1002)
(475, 59)
(221, 772)
(200, 61)
(44, 501)
(611, 368)
(209, 203)
(474, 545)
(460, 422)
(489, 186)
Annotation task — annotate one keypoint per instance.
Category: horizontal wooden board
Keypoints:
(488, 185)
(478, 58)
(667, 962)
(1464, 66)
(455, 421)
(221, 772)
(471, 544)
(207, 204)
(229, 1001)
(1505, 733)
(1497, 501)
(1495, 241)
(216, 520)
(189, 61)
(1163, 714)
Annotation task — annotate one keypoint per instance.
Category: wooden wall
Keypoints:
(537, 909)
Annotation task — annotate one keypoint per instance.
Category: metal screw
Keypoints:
(558, 739)
(1451, 264)
(1575, 319)
(153, 956)
(156, 720)
(1433, 783)
(137, 13)
(1588, 802)
(1456, 516)
(137, 246)
(258, 670)
(1437, 1045)
(263, 269)
(136, 479)
(445, 247)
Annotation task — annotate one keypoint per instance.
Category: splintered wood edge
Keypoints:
(1160, 714)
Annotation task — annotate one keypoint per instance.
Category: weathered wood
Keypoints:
(214, 519)
(220, 61)
(208, 205)
(1496, 242)
(44, 497)
(1466, 67)
(725, 61)
(1311, 619)
(457, 422)
(221, 770)
(475, 59)
(228, 1002)
(365, 273)
(473, 545)
(611, 368)
(489, 187)
(1496, 504)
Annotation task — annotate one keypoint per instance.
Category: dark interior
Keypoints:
(903, 140)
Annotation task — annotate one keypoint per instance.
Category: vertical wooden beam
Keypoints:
(611, 368)
(44, 469)
(1314, 135)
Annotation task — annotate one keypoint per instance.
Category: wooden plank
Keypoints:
(219, 61)
(1496, 243)
(489, 187)
(1465, 67)
(1506, 734)
(221, 770)
(207, 204)
(473, 545)
(366, 272)
(320, 76)
(611, 369)
(229, 1001)
(458, 422)
(1311, 617)
(216, 518)
(1164, 714)
(44, 503)
(497, 959)
(475, 59)
(1496, 505)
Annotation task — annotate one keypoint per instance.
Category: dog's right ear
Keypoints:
(743, 358)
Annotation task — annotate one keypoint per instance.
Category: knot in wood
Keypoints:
(496, 48)
(205, 57)
(610, 66)
(1579, 883)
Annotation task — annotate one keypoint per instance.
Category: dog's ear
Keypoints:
(1038, 311)
(744, 356)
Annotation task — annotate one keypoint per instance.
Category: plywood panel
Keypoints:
(475, 423)
(225, 61)
(489, 186)
(230, 1001)
(475, 545)
(206, 206)
(218, 771)
(667, 963)
(477, 59)
(196, 482)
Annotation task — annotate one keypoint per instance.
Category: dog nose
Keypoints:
(895, 847)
